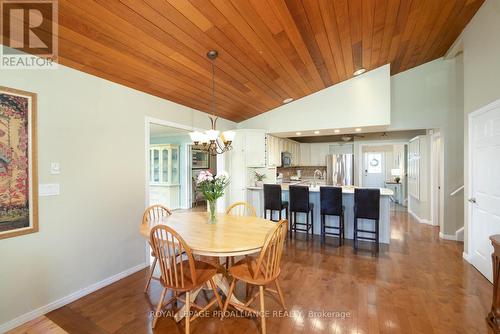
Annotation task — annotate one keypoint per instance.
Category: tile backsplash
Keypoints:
(307, 172)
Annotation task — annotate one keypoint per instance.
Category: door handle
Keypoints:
(472, 200)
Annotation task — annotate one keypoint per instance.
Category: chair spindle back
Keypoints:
(269, 261)
(155, 213)
(166, 243)
(241, 209)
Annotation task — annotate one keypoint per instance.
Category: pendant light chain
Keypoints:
(210, 140)
(213, 87)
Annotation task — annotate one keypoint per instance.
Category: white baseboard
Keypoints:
(447, 236)
(458, 236)
(466, 257)
(68, 299)
(420, 220)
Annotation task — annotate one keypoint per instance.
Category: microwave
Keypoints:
(286, 159)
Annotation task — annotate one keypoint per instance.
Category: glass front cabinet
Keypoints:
(164, 165)
(164, 180)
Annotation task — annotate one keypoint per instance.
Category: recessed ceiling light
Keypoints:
(288, 100)
(298, 133)
(358, 130)
(360, 71)
(336, 130)
(316, 132)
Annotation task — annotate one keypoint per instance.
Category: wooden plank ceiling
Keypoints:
(269, 50)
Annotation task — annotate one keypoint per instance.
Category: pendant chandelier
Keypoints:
(212, 140)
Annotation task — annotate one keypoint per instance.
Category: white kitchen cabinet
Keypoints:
(255, 148)
(249, 151)
(273, 151)
(277, 145)
(319, 151)
(295, 150)
(305, 154)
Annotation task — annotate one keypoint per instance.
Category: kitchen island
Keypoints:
(255, 196)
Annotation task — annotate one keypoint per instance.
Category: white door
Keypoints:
(484, 191)
(373, 169)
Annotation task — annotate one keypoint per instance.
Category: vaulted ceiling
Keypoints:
(269, 50)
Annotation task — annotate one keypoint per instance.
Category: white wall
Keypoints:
(481, 57)
(96, 130)
(360, 101)
(430, 96)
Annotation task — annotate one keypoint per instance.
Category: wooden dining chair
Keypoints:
(260, 272)
(181, 276)
(239, 209)
(154, 213)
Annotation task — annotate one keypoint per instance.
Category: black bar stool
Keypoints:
(331, 205)
(273, 202)
(366, 206)
(299, 202)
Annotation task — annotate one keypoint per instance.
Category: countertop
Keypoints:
(345, 190)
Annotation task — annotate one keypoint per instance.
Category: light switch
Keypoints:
(49, 189)
(55, 168)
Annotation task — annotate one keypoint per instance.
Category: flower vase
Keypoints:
(213, 212)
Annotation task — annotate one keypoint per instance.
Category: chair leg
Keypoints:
(158, 307)
(226, 304)
(217, 296)
(286, 213)
(307, 226)
(150, 275)
(279, 215)
(262, 309)
(322, 220)
(341, 221)
(312, 223)
(294, 226)
(355, 232)
(377, 235)
(188, 311)
(280, 294)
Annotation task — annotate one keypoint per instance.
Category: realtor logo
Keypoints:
(28, 34)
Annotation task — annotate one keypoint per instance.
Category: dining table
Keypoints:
(228, 236)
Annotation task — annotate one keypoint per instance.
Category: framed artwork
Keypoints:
(200, 159)
(18, 167)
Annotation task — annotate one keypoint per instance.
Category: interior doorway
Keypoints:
(383, 165)
(168, 166)
(161, 167)
(201, 161)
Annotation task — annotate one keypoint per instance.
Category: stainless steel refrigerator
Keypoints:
(340, 169)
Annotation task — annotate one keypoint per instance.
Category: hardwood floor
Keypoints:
(39, 325)
(418, 284)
